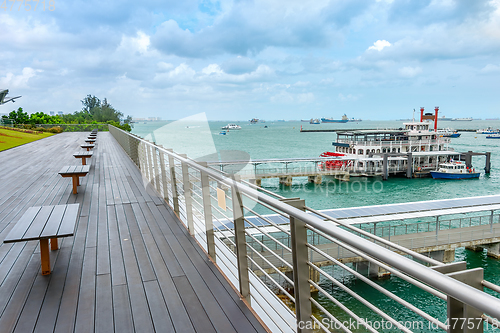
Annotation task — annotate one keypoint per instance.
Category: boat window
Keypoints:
(360, 151)
(378, 151)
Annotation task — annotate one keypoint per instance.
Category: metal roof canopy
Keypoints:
(392, 212)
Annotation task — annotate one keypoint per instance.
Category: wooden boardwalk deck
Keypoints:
(131, 266)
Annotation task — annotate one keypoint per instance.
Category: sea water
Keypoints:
(279, 139)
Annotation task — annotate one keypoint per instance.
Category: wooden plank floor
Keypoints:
(131, 266)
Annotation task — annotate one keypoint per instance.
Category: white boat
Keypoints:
(454, 170)
(448, 133)
(488, 130)
(231, 127)
(493, 136)
(365, 149)
(314, 121)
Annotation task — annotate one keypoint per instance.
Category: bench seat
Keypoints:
(43, 223)
(75, 172)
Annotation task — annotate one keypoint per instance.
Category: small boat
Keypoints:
(454, 170)
(448, 133)
(493, 136)
(254, 121)
(314, 121)
(231, 127)
(488, 130)
(222, 133)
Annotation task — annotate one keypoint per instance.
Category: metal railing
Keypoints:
(279, 280)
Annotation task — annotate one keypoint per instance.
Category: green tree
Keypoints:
(18, 117)
(89, 103)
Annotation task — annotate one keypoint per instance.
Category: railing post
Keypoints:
(164, 176)
(302, 290)
(437, 225)
(149, 163)
(156, 169)
(173, 180)
(187, 195)
(240, 241)
(463, 318)
(207, 211)
(491, 221)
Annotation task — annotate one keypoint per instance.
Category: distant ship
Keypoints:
(462, 119)
(254, 121)
(444, 118)
(331, 120)
(314, 121)
(352, 120)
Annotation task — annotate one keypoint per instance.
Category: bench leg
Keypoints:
(75, 182)
(84, 161)
(44, 252)
(53, 244)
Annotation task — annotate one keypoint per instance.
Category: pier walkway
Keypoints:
(131, 266)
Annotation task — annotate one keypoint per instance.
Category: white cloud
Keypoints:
(212, 69)
(18, 81)
(139, 43)
(410, 71)
(379, 45)
(490, 68)
(348, 97)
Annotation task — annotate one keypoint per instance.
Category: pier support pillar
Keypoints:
(493, 250)
(449, 256)
(444, 256)
(385, 168)
(377, 272)
(487, 166)
(362, 267)
(317, 179)
(468, 159)
(409, 166)
(287, 181)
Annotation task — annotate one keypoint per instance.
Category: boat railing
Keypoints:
(240, 226)
(395, 143)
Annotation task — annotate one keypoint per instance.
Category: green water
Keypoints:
(284, 140)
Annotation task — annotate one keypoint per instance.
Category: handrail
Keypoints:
(446, 284)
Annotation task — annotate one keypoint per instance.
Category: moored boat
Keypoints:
(454, 170)
(232, 127)
(493, 136)
(488, 130)
(448, 133)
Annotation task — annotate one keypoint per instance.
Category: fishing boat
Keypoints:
(222, 133)
(493, 136)
(454, 170)
(331, 120)
(231, 127)
(254, 121)
(314, 121)
(448, 133)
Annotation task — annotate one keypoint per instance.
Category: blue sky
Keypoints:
(238, 60)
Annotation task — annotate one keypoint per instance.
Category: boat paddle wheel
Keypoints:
(332, 164)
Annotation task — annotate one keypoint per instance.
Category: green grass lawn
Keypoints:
(9, 138)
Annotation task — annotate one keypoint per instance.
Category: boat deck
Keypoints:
(131, 266)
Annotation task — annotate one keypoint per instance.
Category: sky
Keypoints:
(237, 60)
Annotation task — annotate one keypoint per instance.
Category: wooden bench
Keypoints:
(92, 136)
(75, 172)
(91, 141)
(88, 146)
(44, 223)
(84, 155)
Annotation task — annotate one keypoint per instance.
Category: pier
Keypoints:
(132, 266)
